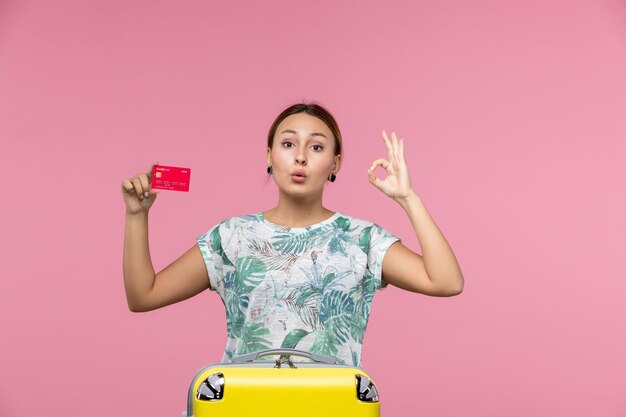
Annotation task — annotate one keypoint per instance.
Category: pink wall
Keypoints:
(513, 118)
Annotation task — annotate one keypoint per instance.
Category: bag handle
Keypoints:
(285, 351)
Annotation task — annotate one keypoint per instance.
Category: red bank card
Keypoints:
(170, 178)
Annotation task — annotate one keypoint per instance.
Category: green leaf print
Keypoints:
(273, 259)
(362, 295)
(317, 284)
(309, 293)
(342, 224)
(336, 314)
(338, 242)
(252, 338)
(329, 278)
(369, 287)
(229, 354)
(364, 239)
(247, 218)
(293, 338)
(324, 343)
(359, 320)
(298, 243)
(304, 299)
(250, 272)
(244, 300)
(238, 284)
(216, 240)
(235, 318)
(308, 313)
(342, 236)
(355, 358)
(216, 245)
(236, 304)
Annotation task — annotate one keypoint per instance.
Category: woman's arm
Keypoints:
(437, 272)
(145, 291)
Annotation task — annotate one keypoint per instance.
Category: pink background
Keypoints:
(513, 118)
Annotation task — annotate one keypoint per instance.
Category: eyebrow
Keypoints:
(312, 134)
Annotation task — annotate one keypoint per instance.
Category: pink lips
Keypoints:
(298, 176)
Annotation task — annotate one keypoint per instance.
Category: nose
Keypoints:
(300, 158)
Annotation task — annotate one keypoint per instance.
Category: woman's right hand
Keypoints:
(138, 193)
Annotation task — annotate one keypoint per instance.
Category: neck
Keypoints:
(298, 211)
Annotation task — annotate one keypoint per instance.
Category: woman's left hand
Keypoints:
(397, 185)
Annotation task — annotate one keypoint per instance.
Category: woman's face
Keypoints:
(302, 155)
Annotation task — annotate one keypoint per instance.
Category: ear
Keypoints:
(268, 157)
(338, 160)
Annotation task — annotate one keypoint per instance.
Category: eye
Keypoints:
(285, 142)
(319, 146)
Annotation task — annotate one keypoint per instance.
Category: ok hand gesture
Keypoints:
(397, 185)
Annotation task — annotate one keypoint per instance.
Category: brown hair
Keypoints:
(313, 109)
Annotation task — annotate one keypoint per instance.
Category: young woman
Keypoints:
(298, 275)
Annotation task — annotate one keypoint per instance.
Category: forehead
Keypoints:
(304, 124)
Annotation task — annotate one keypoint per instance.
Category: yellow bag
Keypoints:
(249, 388)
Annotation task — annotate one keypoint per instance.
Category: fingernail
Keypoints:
(145, 194)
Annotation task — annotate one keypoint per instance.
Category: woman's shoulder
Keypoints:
(357, 221)
(370, 233)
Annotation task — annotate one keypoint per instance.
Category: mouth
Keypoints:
(298, 177)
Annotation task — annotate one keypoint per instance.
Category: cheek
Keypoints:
(326, 163)
(280, 158)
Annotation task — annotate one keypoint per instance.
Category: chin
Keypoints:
(299, 190)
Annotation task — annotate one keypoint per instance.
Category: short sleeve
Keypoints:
(210, 244)
(380, 241)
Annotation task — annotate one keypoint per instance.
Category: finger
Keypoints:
(127, 186)
(401, 150)
(138, 187)
(379, 162)
(373, 179)
(144, 184)
(387, 143)
(151, 169)
(386, 165)
(394, 144)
